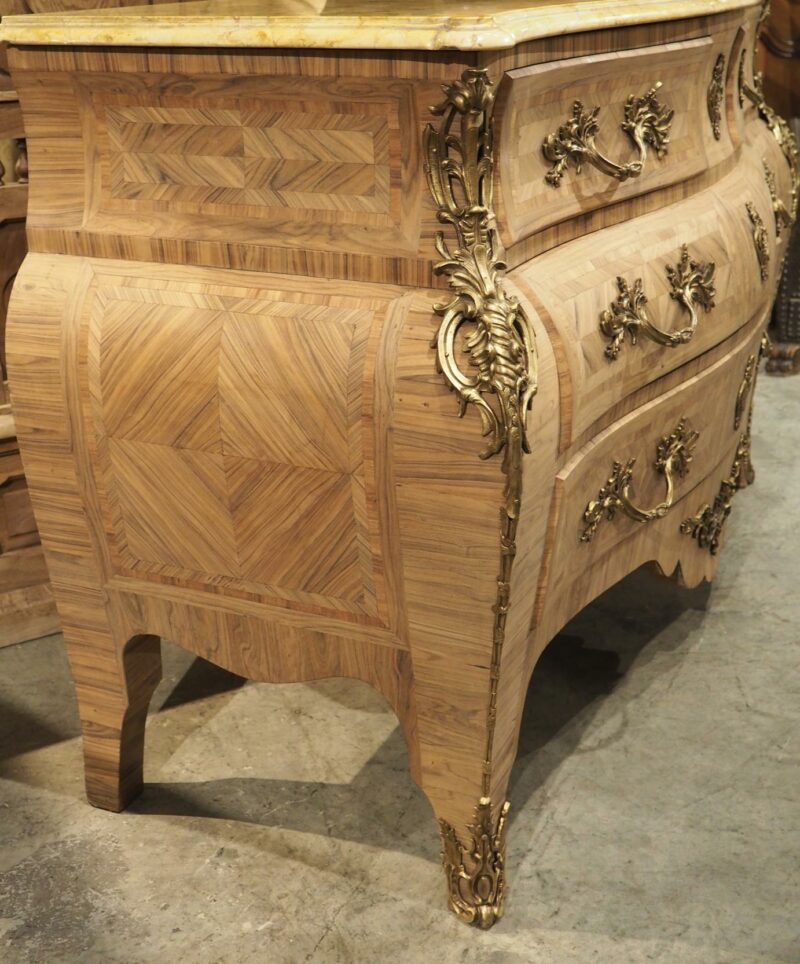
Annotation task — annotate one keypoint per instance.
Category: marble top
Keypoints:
(371, 24)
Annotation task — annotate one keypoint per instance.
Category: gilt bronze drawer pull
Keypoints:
(647, 122)
(691, 284)
(673, 455)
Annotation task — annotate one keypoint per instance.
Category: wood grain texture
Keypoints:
(130, 519)
(233, 425)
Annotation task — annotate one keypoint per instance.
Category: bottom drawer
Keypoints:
(621, 500)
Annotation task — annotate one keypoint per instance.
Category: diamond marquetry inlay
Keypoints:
(212, 437)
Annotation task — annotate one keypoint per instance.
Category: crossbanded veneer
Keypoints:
(268, 412)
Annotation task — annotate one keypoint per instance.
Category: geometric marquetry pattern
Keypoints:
(268, 154)
(219, 455)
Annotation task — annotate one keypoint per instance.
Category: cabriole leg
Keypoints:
(114, 687)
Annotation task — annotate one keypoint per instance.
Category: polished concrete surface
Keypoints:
(656, 797)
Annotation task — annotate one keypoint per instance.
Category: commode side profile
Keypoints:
(379, 345)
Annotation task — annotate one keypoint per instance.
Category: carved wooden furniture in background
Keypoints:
(779, 61)
(27, 609)
(386, 340)
(779, 56)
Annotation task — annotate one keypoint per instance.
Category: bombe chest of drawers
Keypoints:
(376, 340)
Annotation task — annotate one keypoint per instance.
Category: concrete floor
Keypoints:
(656, 797)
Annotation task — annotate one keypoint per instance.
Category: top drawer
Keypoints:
(585, 99)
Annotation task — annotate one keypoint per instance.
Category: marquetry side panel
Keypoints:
(102, 613)
(158, 412)
(272, 165)
(270, 156)
(228, 420)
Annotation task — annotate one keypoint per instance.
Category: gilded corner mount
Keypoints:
(486, 351)
(784, 218)
(780, 128)
(482, 323)
(476, 879)
(744, 390)
(497, 338)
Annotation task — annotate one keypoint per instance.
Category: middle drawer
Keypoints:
(633, 302)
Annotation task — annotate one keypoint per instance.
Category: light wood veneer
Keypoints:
(221, 359)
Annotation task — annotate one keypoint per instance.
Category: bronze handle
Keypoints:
(691, 284)
(673, 455)
(647, 121)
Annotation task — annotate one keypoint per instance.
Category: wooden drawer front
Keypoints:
(714, 404)
(537, 101)
(575, 284)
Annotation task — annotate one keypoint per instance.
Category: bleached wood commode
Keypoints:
(318, 379)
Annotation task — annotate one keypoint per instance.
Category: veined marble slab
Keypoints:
(371, 24)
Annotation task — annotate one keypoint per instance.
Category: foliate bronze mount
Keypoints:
(476, 878)
(706, 527)
(784, 135)
(716, 91)
(499, 343)
(744, 391)
(673, 455)
(781, 129)
(783, 217)
(647, 122)
(741, 83)
(691, 285)
(760, 240)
